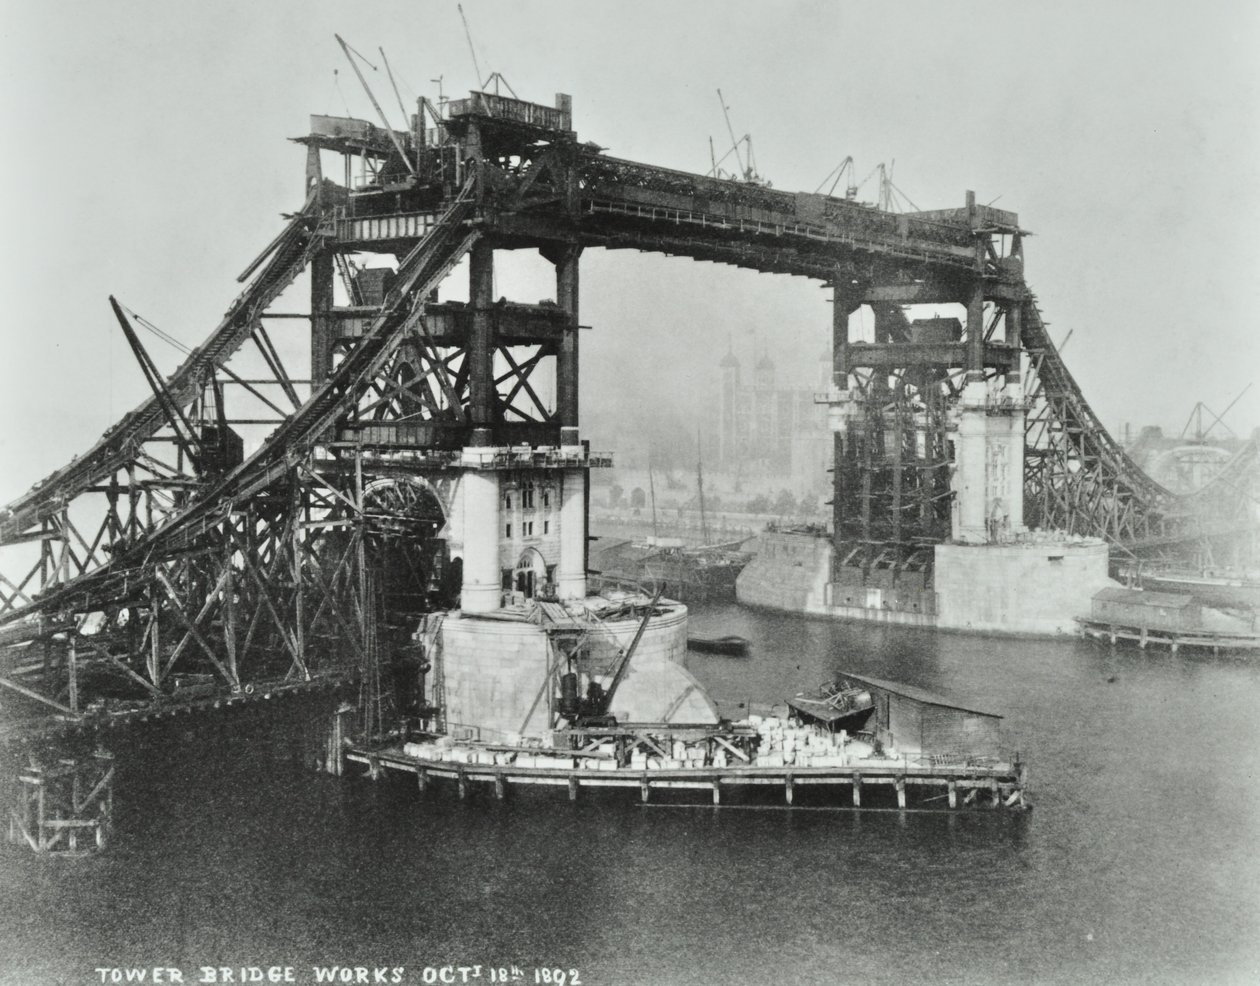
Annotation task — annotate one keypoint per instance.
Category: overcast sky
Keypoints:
(146, 157)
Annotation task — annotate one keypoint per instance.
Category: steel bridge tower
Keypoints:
(928, 416)
(249, 534)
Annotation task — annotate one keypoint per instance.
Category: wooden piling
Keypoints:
(41, 837)
(334, 745)
(63, 807)
(982, 787)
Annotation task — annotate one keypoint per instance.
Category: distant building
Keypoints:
(767, 429)
(1181, 463)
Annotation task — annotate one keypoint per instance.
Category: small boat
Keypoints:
(731, 645)
(838, 704)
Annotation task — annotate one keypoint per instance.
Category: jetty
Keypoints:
(1165, 619)
(923, 748)
(913, 781)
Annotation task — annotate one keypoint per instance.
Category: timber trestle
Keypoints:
(866, 785)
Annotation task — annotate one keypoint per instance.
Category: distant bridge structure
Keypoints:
(432, 443)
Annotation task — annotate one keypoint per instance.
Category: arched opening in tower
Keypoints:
(405, 550)
(408, 574)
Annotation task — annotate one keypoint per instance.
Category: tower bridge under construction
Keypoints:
(433, 458)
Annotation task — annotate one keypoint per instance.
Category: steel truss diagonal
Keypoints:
(172, 565)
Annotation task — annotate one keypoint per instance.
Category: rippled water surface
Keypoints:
(1139, 863)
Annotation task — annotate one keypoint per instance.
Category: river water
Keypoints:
(1139, 863)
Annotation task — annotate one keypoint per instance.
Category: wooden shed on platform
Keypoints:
(1146, 609)
(913, 720)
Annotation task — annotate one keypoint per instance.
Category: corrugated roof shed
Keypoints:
(918, 694)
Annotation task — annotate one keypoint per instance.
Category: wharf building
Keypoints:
(1184, 463)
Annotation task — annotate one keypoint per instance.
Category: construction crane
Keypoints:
(380, 113)
(747, 164)
(1196, 417)
(495, 77)
(845, 167)
(890, 199)
(605, 702)
(593, 710)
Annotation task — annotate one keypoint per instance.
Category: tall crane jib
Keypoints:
(166, 569)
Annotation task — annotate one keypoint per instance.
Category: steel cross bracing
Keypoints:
(1078, 478)
(144, 572)
(259, 579)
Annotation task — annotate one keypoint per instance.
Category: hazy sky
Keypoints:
(146, 157)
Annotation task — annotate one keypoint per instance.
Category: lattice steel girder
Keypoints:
(907, 355)
(768, 253)
(236, 619)
(515, 324)
(249, 555)
(1077, 477)
(925, 291)
(195, 521)
(115, 450)
(448, 324)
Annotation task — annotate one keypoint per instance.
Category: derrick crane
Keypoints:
(842, 169)
(1196, 416)
(747, 167)
(185, 435)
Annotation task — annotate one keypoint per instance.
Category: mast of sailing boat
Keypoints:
(652, 490)
(704, 526)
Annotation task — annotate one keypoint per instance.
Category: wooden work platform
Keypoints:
(1000, 785)
(1213, 640)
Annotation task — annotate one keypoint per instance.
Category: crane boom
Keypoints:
(734, 143)
(625, 658)
(389, 131)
